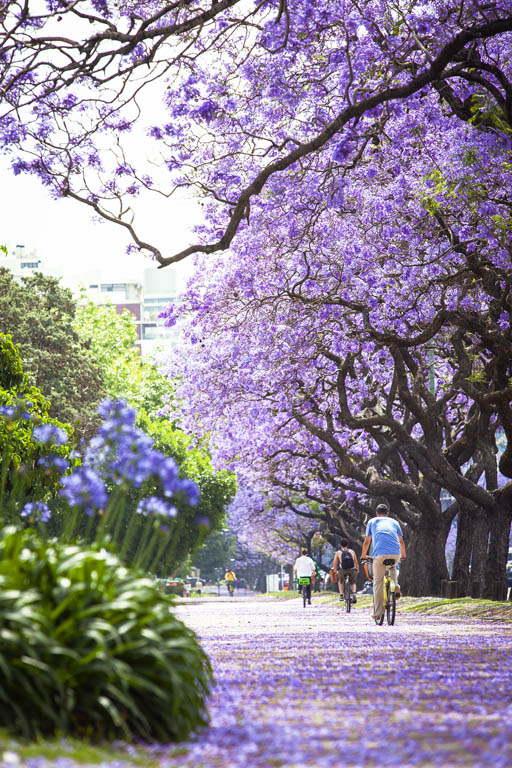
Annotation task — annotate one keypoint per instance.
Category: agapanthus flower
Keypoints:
(156, 506)
(54, 463)
(14, 412)
(122, 453)
(49, 433)
(37, 511)
(84, 488)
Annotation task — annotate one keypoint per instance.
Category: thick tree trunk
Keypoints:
(480, 539)
(497, 552)
(425, 567)
(463, 547)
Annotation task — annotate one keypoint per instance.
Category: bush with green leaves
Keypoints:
(25, 472)
(90, 648)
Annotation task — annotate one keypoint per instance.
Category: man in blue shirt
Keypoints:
(387, 542)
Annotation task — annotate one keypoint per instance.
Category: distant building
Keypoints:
(22, 263)
(158, 291)
(144, 294)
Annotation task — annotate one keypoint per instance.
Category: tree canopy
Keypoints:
(39, 314)
(356, 159)
(357, 343)
(255, 97)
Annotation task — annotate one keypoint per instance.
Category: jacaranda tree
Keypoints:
(355, 158)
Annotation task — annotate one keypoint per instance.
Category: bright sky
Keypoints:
(69, 240)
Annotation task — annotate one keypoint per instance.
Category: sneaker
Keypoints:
(309, 602)
(341, 597)
(353, 599)
(398, 594)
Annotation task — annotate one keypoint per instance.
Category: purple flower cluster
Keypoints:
(36, 511)
(14, 412)
(84, 488)
(123, 454)
(50, 434)
(156, 506)
(53, 463)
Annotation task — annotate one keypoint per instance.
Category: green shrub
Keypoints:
(89, 648)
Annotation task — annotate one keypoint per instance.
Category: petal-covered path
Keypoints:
(318, 687)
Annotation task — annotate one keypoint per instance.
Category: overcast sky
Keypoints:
(68, 240)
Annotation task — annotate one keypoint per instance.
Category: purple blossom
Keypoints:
(85, 489)
(207, 110)
(50, 434)
(124, 454)
(153, 505)
(53, 463)
(37, 511)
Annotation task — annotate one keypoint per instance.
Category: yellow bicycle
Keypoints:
(389, 588)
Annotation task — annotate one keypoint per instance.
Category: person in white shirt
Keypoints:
(304, 568)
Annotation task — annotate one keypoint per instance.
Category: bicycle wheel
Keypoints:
(390, 605)
(380, 621)
(346, 595)
(304, 595)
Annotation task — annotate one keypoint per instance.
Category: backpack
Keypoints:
(347, 561)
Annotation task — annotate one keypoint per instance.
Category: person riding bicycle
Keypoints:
(305, 568)
(385, 537)
(345, 561)
(230, 578)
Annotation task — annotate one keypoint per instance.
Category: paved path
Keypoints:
(318, 687)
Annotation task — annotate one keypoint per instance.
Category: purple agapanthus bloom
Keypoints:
(191, 491)
(54, 463)
(49, 433)
(13, 412)
(155, 506)
(37, 510)
(84, 488)
(122, 453)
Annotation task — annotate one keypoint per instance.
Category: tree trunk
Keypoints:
(463, 546)
(425, 567)
(497, 551)
(480, 538)
(289, 571)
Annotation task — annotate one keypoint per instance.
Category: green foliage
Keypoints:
(39, 314)
(23, 407)
(213, 557)
(217, 487)
(11, 368)
(90, 649)
(126, 375)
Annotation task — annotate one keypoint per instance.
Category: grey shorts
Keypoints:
(351, 575)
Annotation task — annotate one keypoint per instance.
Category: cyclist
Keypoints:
(386, 539)
(345, 561)
(305, 568)
(230, 577)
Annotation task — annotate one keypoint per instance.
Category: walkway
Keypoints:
(318, 687)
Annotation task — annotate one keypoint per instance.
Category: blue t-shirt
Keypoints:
(384, 532)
